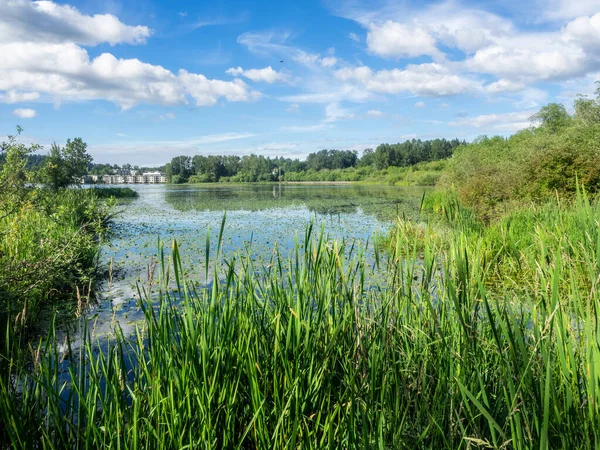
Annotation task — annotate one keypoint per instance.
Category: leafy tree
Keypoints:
(183, 167)
(66, 165)
(14, 174)
(553, 116)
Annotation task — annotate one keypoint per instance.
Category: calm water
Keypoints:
(258, 218)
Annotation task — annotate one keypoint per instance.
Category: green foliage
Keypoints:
(47, 249)
(114, 192)
(331, 159)
(180, 169)
(66, 165)
(48, 240)
(324, 165)
(492, 175)
(14, 175)
(553, 116)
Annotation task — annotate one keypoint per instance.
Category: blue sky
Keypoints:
(144, 81)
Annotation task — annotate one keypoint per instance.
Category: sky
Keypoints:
(143, 81)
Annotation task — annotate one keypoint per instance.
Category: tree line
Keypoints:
(257, 168)
(64, 165)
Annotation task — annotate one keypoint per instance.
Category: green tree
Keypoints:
(66, 165)
(553, 117)
(14, 174)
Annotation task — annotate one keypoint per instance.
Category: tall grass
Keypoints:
(48, 247)
(306, 352)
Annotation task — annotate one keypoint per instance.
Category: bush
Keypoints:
(493, 174)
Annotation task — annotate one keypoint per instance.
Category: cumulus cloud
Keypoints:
(206, 92)
(41, 47)
(424, 79)
(374, 113)
(268, 74)
(354, 37)
(25, 113)
(491, 45)
(555, 62)
(46, 21)
(584, 31)
(420, 105)
(399, 40)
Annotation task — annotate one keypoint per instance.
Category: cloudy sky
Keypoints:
(144, 81)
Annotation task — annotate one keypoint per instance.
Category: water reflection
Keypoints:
(383, 202)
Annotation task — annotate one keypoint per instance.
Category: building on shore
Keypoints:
(133, 178)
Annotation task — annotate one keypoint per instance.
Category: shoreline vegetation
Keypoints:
(484, 332)
(50, 233)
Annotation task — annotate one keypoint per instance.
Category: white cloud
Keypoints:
(25, 113)
(40, 55)
(584, 31)
(334, 112)
(392, 39)
(354, 37)
(182, 14)
(568, 9)
(504, 85)
(206, 92)
(425, 79)
(510, 122)
(314, 59)
(518, 63)
(420, 105)
(46, 21)
(374, 113)
(328, 61)
(18, 97)
(293, 108)
(492, 45)
(268, 74)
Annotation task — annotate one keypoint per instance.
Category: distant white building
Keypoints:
(133, 178)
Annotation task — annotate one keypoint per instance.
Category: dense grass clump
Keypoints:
(114, 192)
(48, 247)
(309, 352)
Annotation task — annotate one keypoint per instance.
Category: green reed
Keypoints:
(307, 352)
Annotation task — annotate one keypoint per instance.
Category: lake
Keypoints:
(258, 218)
